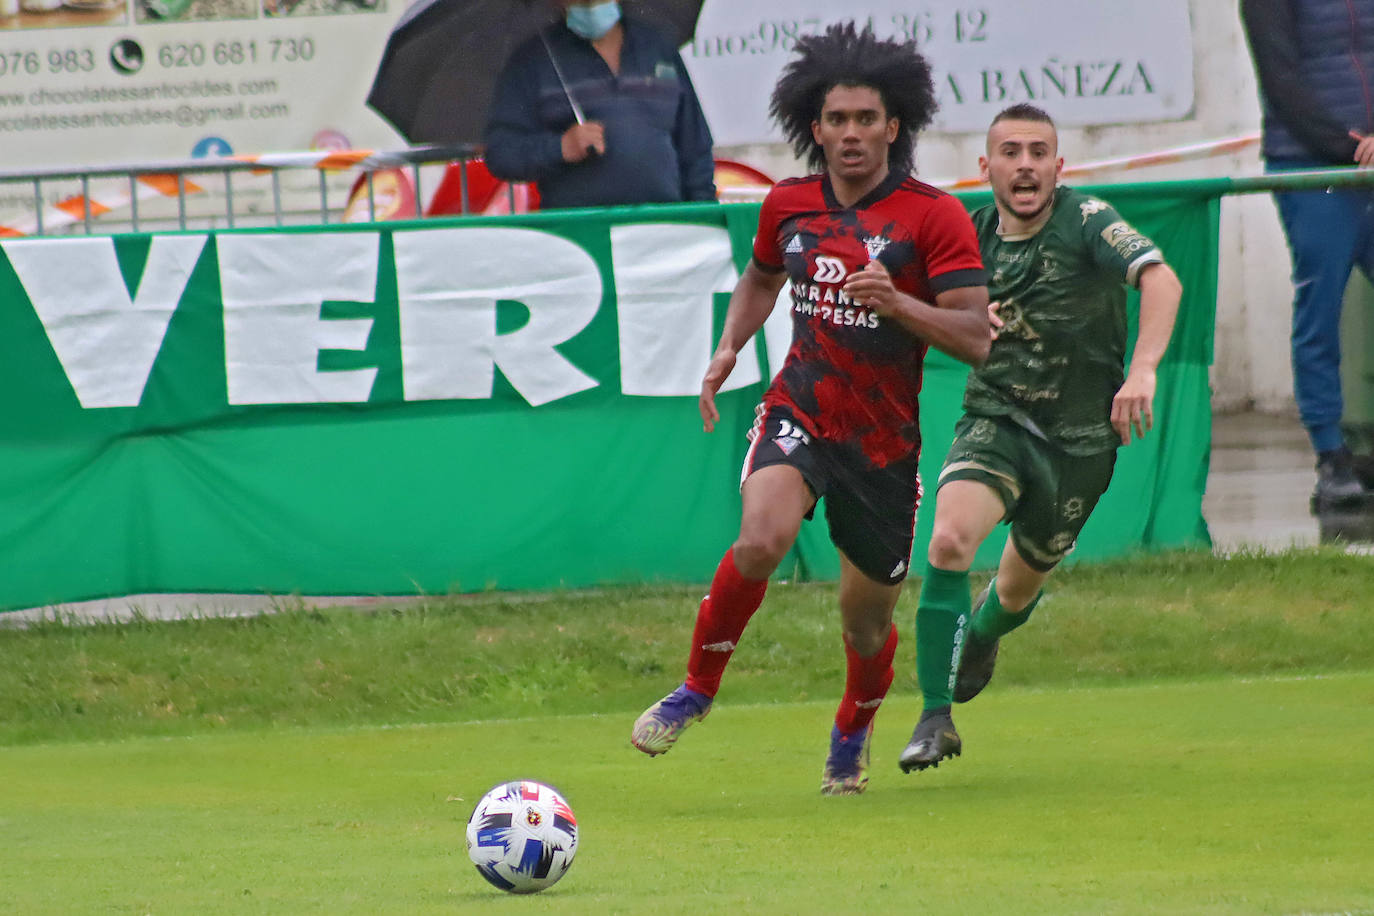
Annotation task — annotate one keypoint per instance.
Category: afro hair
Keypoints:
(845, 56)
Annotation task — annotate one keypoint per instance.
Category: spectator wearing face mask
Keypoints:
(599, 111)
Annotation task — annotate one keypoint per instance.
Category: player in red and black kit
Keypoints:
(881, 267)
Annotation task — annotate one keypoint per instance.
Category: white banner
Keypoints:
(1085, 61)
(98, 82)
(92, 82)
(138, 87)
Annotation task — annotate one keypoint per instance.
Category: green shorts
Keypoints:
(1048, 493)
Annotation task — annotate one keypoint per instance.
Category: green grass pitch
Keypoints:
(1213, 796)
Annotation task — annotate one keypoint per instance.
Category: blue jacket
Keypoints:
(658, 147)
(1315, 61)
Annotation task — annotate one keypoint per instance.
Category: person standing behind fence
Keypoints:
(643, 139)
(1315, 62)
(881, 268)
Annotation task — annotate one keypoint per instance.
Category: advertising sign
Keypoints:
(107, 81)
(449, 405)
(98, 82)
(1084, 61)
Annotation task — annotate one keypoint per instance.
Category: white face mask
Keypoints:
(591, 22)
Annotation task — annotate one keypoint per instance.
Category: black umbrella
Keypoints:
(439, 67)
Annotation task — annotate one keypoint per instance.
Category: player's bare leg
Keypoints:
(775, 500)
(870, 642)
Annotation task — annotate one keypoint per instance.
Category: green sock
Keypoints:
(941, 619)
(994, 621)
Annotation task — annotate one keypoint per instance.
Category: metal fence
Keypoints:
(273, 189)
(313, 188)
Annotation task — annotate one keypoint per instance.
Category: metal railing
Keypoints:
(157, 195)
(168, 195)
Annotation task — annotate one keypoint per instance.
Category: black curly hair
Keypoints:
(844, 56)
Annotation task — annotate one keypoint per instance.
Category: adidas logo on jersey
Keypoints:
(794, 246)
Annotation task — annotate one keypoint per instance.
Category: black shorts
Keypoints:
(871, 512)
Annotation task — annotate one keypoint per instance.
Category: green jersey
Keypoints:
(1059, 358)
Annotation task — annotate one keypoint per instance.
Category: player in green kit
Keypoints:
(1043, 416)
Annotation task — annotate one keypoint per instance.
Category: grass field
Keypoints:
(1176, 734)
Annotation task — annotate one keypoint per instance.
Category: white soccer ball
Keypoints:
(522, 836)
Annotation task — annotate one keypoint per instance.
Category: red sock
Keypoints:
(865, 684)
(724, 613)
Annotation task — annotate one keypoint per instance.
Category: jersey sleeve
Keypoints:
(767, 252)
(950, 245)
(1115, 244)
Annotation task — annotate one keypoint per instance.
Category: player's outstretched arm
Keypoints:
(750, 304)
(1133, 406)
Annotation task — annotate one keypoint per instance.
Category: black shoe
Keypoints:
(933, 740)
(1337, 485)
(975, 668)
(1363, 466)
(976, 662)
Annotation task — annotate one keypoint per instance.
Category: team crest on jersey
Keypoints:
(1073, 508)
(794, 246)
(1090, 207)
(875, 244)
(1049, 268)
(1014, 323)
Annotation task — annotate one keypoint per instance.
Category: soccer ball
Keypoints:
(522, 836)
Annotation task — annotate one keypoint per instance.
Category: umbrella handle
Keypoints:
(563, 82)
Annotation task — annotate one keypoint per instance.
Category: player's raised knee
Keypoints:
(951, 547)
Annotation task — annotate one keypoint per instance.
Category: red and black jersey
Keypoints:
(852, 375)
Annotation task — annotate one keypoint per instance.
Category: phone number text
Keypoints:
(964, 26)
(189, 54)
(55, 60)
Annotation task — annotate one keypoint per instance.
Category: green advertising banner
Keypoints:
(444, 406)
